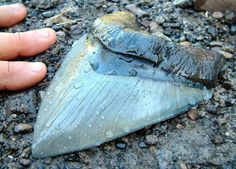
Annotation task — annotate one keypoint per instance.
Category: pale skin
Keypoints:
(18, 75)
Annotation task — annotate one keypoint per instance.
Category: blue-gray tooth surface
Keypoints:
(117, 80)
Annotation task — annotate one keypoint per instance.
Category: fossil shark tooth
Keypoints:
(102, 92)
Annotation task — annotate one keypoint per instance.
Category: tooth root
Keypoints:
(83, 108)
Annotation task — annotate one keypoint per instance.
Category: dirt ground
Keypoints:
(204, 137)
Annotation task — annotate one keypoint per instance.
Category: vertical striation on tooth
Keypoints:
(118, 80)
(120, 33)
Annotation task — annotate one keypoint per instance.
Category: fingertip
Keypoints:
(12, 14)
(53, 36)
(38, 69)
(20, 75)
(22, 11)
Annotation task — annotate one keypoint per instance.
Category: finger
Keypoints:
(25, 44)
(20, 75)
(11, 14)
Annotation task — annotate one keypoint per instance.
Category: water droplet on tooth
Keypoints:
(113, 72)
(133, 72)
(58, 127)
(77, 86)
(94, 64)
(48, 124)
(89, 125)
(87, 68)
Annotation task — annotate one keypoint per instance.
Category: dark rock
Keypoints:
(115, 1)
(183, 3)
(233, 29)
(23, 128)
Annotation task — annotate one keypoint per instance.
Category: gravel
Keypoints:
(204, 138)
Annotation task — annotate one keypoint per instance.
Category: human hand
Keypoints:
(19, 74)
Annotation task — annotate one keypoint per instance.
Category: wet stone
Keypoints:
(142, 145)
(23, 128)
(121, 145)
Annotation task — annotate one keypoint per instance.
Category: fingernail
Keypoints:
(36, 66)
(44, 33)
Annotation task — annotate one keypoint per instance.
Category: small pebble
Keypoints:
(179, 126)
(60, 34)
(160, 19)
(142, 145)
(151, 139)
(192, 114)
(135, 10)
(217, 15)
(226, 54)
(230, 17)
(183, 3)
(183, 166)
(185, 43)
(23, 128)
(216, 43)
(48, 14)
(233, 29)
(25, 162)
(41, 94)
(115, 1)
(217, 139)
(155, 28)
(121, 145)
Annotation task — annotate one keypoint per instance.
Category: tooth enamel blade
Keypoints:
(83, 108)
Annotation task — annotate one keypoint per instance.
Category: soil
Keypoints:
(204, 137)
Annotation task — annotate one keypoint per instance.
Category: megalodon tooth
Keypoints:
(116, 80)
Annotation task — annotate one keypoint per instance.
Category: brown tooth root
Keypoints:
(120, 33)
